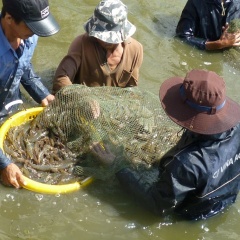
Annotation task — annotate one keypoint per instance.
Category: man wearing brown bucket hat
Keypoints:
(21, 22)
(200, 176)
(106, 55)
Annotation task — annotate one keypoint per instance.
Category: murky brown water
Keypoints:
(103, 210)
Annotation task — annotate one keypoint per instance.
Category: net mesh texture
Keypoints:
(129, 120)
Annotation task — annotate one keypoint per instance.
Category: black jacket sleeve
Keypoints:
(188, 24)
(146, 189)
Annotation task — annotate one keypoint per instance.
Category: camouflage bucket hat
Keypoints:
(109, 22)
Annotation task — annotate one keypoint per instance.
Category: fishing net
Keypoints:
(129, 120)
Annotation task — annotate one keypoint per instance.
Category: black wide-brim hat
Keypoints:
(198, 102)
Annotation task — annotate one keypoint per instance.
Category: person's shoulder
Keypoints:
(34, 38)
(188, 154)
(3, 39)
(132, 40)
(81, 39)
(195, 1)
(237, 128)
(32, 41)
(132, 43)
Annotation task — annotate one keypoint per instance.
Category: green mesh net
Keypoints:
(131, 121)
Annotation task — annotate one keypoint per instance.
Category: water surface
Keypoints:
(103, 210)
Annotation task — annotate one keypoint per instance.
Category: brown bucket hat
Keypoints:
(199, 102)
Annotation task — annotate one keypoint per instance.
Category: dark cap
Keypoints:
(36, 15)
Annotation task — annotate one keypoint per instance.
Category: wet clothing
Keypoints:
(202, 20)
(197, 179)
(16, 68)
(86, 64)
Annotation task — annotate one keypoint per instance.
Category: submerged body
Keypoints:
(197, 179)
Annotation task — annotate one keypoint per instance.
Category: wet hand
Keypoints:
(46, 101)
(225, 28)
(237, 40)
(12, 176)
(103, 153)
(229, 39)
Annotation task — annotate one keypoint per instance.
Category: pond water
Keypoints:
(102, 210)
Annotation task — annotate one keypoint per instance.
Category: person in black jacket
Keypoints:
(204, 24)
(199, 177)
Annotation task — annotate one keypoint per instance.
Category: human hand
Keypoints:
(47, 100)
(226, 27)
(11, 175)
(103, 153)
(229, 39)
(237, 39)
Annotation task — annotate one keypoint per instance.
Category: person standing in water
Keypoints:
(21, 22)
(200, 176)
(106, 55)
(204, 24)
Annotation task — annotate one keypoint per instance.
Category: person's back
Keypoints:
(209, 166)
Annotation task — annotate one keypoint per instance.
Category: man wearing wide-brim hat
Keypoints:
(200, 176)
(106, 55)
(21, 22)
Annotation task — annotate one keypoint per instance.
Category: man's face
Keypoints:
(21, 30)
(107, 46)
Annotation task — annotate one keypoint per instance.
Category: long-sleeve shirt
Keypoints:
(202, 20)
(16, 69)
(86, 63)
(197, 179)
